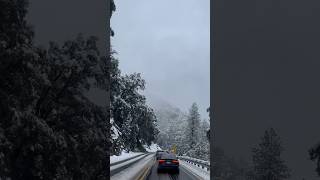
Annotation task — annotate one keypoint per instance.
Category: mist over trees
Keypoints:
(184, 130)
(196, 135)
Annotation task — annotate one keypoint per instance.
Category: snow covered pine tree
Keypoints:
(267, 162)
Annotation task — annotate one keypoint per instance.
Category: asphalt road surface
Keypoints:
(183, 175)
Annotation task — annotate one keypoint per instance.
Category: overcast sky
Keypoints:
(168, 42)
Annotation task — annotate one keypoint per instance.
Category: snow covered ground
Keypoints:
(125, 163)
(124, 155)
(134, 170)
(152, 148)
(196, 170)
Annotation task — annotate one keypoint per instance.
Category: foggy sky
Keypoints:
(267, 75)
(168, 43)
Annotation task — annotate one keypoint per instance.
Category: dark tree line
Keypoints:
(49, 128)
(314, 154)
(226, 167)
(267, 162)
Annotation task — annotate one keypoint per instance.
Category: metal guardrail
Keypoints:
(197, 162)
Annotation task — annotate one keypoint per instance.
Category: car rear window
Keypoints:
(168, 156)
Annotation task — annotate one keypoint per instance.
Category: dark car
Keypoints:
(168, 162)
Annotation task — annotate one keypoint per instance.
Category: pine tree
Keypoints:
(267, 161)
(193, 126)
(174, 126)
(204, 149)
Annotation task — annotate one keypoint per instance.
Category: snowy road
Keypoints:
(145, 168)
(183, 175)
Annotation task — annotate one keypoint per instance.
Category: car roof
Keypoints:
(168, 156)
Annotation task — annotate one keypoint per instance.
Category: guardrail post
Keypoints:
(197, 162)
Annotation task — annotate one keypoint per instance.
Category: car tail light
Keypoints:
(161, 161)
(175, 161)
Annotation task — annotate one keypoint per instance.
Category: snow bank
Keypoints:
(204, 174)
(152, 148)
(133, 171)
(124, 155)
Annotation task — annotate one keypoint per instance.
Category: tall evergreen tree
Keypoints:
(267, 161)
(193, 126)
(201, 149)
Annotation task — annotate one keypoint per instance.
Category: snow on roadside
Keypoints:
(196, 170)
(132, 171)
(152, 148)
(123, 155)
(126, 162)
